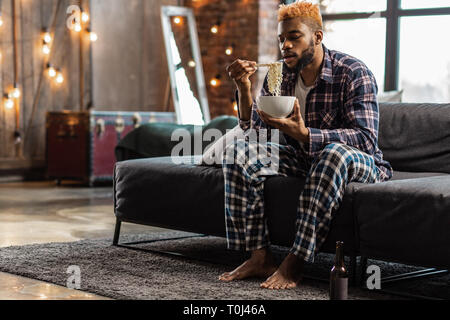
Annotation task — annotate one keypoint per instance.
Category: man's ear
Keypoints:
(318, 37)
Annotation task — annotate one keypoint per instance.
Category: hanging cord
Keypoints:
(41, 77)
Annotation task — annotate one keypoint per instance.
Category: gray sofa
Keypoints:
(406, 219)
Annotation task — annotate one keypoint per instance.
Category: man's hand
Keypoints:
(294, 125)
(240, 71)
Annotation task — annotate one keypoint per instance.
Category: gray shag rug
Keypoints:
(184, 267)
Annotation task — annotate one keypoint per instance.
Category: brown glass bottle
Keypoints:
(338, 275)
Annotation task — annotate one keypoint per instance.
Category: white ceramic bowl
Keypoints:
(276, 106)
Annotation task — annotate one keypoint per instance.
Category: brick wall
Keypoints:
(249, 25)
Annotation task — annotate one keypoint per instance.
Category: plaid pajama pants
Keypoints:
(326, 178)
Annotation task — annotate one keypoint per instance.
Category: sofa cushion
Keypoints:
(158, 192)
(415, 137)
(405, 220)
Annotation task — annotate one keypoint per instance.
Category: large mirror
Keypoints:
(185, 65)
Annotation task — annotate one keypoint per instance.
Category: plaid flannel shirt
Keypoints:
(341, 107)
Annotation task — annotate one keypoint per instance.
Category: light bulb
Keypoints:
(215, 29)
(15, 93)
(1, 21)
(45, 49)
(177, 20)
(85, 17)
(215, 81)
(229, 51)
(191, 64)
(51, 72)
(235, 106)
(93, 36)
(77, 28)
(9, 104)
(47, 37)
(59, 78)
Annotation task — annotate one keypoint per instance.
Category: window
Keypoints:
(354, 37)
(424, 72)
(420, 4)
(341, 6)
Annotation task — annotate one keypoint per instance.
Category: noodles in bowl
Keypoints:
(276, 106)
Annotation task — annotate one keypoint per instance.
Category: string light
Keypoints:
(235, 106)
(177, 20)
(85, 17)
(215, 81)
(47, 37)
(191, 64)
(45, 48)
(8, 102)
(77, 27)
(59, 78)
(215, 29)
(15, 93)
(92, 36)
(51, 71)
(229, 50)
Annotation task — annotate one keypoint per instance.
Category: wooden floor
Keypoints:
(41, 212)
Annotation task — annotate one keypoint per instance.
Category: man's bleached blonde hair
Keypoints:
(310, 12)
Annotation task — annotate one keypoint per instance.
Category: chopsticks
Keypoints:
(267, 64)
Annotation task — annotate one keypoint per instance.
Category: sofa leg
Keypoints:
(117, 232)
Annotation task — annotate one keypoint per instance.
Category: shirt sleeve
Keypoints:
(360, 117)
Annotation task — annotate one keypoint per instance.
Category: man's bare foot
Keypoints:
(287, 276)
(259, 265)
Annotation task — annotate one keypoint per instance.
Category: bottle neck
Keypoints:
(339, 259)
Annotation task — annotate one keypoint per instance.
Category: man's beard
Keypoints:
(306, 58)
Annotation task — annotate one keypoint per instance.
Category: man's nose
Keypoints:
(286, 45)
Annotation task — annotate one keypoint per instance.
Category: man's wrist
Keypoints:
(304, 135)
(244, 87)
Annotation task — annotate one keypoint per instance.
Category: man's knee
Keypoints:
(235, 151)
(337, 151)
(244, 152)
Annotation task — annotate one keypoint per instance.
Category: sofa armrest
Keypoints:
(154, 139)
(405, 221)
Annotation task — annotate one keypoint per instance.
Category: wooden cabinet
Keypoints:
(80, 145)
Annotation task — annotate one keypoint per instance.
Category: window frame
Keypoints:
(393, 14)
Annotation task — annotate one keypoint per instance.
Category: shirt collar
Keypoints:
(326, 73)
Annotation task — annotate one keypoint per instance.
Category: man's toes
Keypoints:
(275, 286)
(226, 277)
(267, 283)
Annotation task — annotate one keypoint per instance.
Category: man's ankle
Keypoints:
(261, 254)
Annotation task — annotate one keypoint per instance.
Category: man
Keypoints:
(331, 138)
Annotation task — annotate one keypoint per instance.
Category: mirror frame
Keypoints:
(166, 13)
